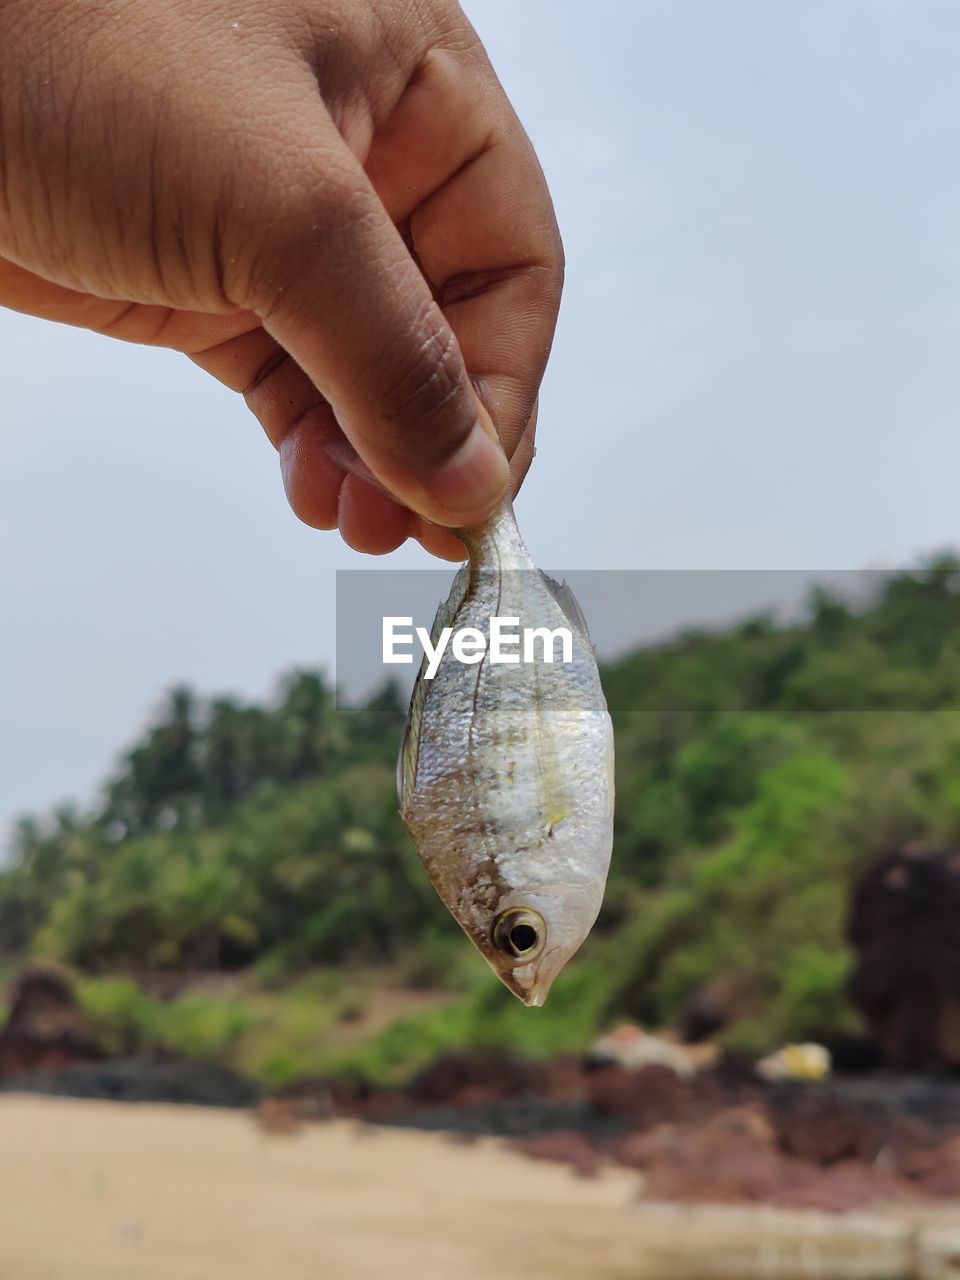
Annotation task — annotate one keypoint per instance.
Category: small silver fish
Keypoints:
(505, 775)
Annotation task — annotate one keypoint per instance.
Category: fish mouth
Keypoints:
(532, 990)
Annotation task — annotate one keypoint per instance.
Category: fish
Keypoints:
(505, 775)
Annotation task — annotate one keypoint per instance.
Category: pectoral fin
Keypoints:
(568, 602)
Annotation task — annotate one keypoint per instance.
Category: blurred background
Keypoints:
(206, 895)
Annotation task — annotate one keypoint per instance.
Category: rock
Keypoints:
(46, 1029)
(842, 1189)
(736, 1130)
(565, 1146)
(470, 1079)
(560, 1079)
(646, 1096)
(699, 1169)
(510, 1118)
(645, 1148)
(853, 1054)
(935, 1167)
(178, 1080)
(731, 1078)
(903, 924)
(735, 1157)
(822, 1129)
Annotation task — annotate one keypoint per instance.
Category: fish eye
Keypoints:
(519, 933)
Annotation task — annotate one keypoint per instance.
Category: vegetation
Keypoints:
(759, 768)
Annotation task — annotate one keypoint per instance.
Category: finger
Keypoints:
(280, 394)
(439, 541)
(369, 520)
(525, 451)
(444, 542)
(311, 480)
(31, 294)
(455, 167)
(336, 287)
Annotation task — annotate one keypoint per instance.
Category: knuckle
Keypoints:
(287, 214)
(425, 385)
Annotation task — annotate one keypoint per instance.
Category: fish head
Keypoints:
(529, 936)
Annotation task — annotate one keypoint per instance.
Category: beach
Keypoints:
(112, 1191)
(108, 1191)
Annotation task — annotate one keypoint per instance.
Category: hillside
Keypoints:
(759, 770)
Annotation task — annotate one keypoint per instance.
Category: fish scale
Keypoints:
(505, 775)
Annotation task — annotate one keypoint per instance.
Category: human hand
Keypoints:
(329, 205)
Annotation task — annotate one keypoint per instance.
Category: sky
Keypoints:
(756, 367)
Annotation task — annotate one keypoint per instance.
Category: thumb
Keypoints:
(337, 288)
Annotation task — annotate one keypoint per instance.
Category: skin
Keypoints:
(329, 205)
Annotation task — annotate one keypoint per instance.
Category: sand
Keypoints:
(107, 1191)
(110, 1191)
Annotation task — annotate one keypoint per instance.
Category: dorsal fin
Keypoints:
(410, 747)
(568, 602)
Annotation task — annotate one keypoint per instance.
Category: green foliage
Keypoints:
(810, 1000)
(758, 769)
(488, 1018)
(271, 1038)
(127, 1020)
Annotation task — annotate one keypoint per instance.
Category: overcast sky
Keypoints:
(757, 366)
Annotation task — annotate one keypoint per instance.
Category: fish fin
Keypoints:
(568, 602)
(410, 747)
(448, 611)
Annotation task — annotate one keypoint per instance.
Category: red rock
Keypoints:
(842, 1188)
(452, 1076)
(561, 1078)
(734, 1178)
(645, 1148)
(903, 925)
(649, 1095)
(935, 1168)
(819, 1128)
(46, 1029)
(565, 1146)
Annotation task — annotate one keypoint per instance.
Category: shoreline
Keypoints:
(96, 1190)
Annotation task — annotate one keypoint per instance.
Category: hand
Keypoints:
(327, 204)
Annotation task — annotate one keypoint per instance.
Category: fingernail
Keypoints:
(474, 480)
(287, 450)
